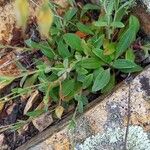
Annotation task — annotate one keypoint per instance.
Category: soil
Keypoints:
(13, 111)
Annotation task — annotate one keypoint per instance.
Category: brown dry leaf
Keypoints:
(31, 101)
(7, 67)
(59, 111)
(45, 18)
(1, 106)
(10, 109)
(43, 121)
(62, 3)
(81, 34)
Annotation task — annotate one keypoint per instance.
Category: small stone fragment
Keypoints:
(43, 121)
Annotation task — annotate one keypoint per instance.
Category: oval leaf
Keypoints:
(84, 28)
(123, 64)
(101, 80)
(59, 111)
(91, 63)
(73, 41)
(87, 81)
(128, 36)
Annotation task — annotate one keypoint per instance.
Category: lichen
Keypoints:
(114, 140)
(147, 3)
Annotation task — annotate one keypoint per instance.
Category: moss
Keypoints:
(114, 140)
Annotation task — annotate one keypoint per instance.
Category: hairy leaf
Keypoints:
(101, 80)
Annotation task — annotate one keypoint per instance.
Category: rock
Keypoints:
(147, 4)
(144, 18)
(43, 121)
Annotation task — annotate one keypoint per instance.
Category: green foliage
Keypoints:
(77, 63)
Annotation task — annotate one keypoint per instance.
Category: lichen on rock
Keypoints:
(137, 139)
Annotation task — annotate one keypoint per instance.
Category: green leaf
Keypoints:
(72, 124)
(77, 89)
(109, 48)
(97, 71)
(123, 64)
(100, 53)
(130, 55)
(46, 98)
(82, 100)
(4, 80)
(96, 41)
(81, 71)
(35, 113)
(87, 81)
(30, 81)
(100, 23)
(45, 49)
(63, 50)
(70, 14)
(117, 24)
(109, 6)
(122, 10)
(80, 106)
(67, 87)
(86, 48)
(73, 41)
(84, 28)
(90, 63)
(22, 81)
(137, 68)
(101, 80)
(110, 85)
(17, 125)
(128, 36)
(88, 7)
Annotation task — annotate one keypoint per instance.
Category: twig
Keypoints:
(128, 82)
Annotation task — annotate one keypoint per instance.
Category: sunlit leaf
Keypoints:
(87, 81)
(123, 64)
(128, 36)
(73, 41)
(45, 18)
(59, 111)
(22, 12)
(91, 63)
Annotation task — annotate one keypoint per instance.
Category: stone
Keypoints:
(43, 121)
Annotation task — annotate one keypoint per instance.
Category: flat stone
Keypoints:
(43, 121)
(103, 116)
